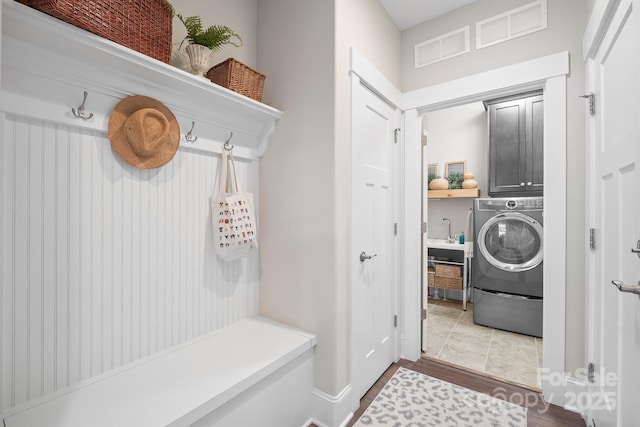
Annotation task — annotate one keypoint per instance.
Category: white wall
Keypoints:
(311, 291)
(566, 23)
(303, 50)
(454, 134)
(297, 204)
(365, 25)
(2, 237)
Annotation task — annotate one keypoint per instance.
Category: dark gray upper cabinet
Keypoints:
(515, 145)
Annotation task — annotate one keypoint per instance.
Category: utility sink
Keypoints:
(443, 244)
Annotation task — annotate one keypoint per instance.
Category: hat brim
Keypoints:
(121, 146)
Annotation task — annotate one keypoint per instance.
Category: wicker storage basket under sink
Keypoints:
(448, 277)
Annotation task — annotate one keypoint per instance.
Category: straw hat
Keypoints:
(144, 132)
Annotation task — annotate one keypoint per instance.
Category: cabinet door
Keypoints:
(507, 155)
(516, 147)
(534, 144)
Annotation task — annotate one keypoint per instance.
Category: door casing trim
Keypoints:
(548, 73)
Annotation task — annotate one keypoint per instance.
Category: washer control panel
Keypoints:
(510, 204)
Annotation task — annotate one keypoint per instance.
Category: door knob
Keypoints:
(632, 289)
(636, 250)
(364, 256)
(522, 184)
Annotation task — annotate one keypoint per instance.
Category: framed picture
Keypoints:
(432, 170)
(455, 167)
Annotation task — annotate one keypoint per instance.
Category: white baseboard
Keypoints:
(566, 391)
(332, 411)
(574, 389)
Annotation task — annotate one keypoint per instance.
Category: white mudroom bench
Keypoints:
(255, 372)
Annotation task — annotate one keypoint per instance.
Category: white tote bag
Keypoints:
(233, 215)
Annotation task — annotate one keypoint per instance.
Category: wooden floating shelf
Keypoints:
(454, 194)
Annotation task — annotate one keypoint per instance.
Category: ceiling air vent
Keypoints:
(442, 47)
(515, 23)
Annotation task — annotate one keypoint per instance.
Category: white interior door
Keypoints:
(372, 252)
(614, 328)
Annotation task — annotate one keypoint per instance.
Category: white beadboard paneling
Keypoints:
(107, 264)
(20, 264)
(103, 264)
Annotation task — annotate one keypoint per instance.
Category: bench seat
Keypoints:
(199, 383)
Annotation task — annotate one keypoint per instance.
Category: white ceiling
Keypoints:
(407, 13)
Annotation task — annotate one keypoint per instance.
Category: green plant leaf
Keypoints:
(217, 36)
(170, 8)
(214, 37)
(455, 180)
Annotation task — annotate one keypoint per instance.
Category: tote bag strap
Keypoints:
(225, 186)
(235, 183)
(222, 185)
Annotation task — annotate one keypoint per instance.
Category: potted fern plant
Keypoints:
(203, 43)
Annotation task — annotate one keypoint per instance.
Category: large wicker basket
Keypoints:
(446, 270)
(454, 283)
(142, 25)
(448, 276)
(238, 77)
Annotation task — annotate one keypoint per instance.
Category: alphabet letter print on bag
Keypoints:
(234, 221)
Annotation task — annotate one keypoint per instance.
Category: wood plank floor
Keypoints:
(537, 415)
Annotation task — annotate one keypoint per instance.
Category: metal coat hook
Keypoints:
(189, 135)
(228, 146)
(80, 113)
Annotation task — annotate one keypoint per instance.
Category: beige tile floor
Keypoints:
(451, 336)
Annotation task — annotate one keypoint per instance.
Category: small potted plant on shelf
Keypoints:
(203, 43)
(455, 180)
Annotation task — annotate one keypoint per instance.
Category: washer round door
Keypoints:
(511, 242)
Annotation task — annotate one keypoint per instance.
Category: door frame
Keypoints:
(605, 18)
(548, 73)
(362, 72)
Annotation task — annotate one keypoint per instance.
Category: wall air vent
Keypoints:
(515, 23)
(442, 47)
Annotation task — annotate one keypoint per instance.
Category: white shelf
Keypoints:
(47, 64)
(454, 194)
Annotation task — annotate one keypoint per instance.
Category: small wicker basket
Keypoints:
(238, 77)
(141, 25)
(445, 270)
